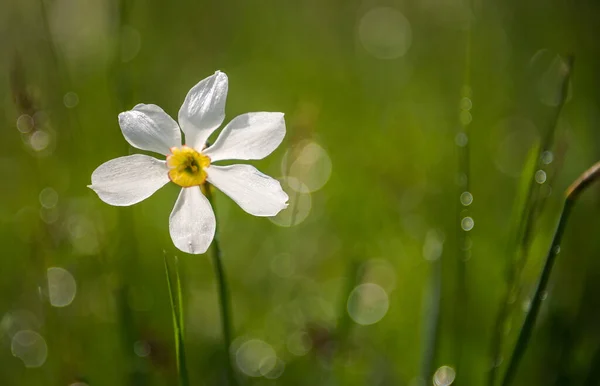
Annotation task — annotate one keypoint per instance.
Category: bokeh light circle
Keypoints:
(48, 198)
(308, 165)
(299, 204)
(61, 287)
(385, 33)
(299, 343)
(255, 358)
(276, 370)
(380, 272)
(25, 123)
(39, 140)
(30, 347)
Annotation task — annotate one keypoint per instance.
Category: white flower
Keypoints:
(128, 180)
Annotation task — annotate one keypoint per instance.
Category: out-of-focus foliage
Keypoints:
(341, 288)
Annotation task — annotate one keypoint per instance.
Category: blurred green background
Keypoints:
(382, 271)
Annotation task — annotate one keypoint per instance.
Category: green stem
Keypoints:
(224, 299)
(572, 194)
(461, 315)
(178, 323)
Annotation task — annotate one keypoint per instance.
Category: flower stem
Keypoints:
(224, 300)
(591, 175)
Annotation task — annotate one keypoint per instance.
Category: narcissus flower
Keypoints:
(128, 180)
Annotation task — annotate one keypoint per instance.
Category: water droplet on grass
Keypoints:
(540, 176)
(444, 376)
(547, 157)
(467, 224)
(71, 99)
(466, 198)
(142, 348)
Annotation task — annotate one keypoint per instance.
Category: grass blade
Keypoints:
(525, 216)
(177, 314)
(572, 195)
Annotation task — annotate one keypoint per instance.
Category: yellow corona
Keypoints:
(187, 166)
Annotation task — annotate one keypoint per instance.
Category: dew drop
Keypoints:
(444, 376)
(540, 176)
(466, 198)
(467, 224)
(547, 157)
(466, 104)
(71, 99)
(142, 348)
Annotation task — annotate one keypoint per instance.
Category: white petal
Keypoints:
(255, 192)
(148, 127)
(249, 136)
(128, 180)
(192, 223)
(203, 109)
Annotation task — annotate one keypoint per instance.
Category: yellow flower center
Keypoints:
(187, 166)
